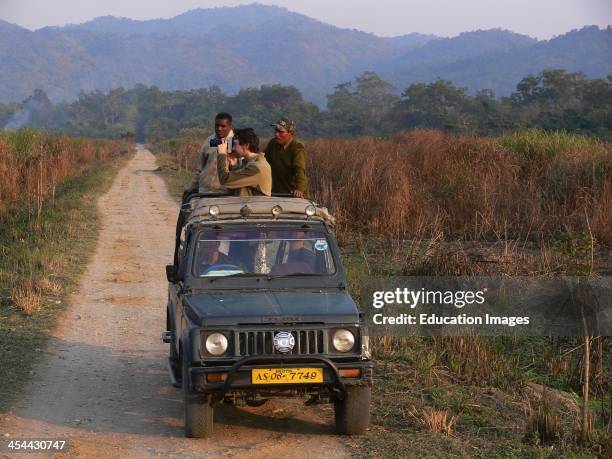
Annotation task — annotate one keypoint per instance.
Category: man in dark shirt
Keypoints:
(287, 158)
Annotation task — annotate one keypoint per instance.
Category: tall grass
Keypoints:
(42, 257)
(183, 149)
(428, 184)
(35, 167)
(525, 186)
(34, 164)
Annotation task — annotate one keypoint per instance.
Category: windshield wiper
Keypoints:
(214, 278)
(280, 276)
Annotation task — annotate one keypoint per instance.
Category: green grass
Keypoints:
(536, 143)
(490, 396)
(489, 422)
(48, 254)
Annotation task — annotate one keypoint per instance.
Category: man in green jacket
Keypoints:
(287, 158)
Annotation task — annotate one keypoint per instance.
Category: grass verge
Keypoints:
(478, 396)
(40, 264)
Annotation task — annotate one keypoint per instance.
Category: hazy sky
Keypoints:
(538, 18)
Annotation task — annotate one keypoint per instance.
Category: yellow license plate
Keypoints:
(286, 375)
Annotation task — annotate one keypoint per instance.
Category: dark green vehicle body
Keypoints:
(252, 311)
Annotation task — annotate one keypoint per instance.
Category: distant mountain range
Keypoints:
(251, 45)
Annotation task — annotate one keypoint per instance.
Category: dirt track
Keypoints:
(103, 381)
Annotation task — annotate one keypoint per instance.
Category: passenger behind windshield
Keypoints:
(210, 256)
(271, 252)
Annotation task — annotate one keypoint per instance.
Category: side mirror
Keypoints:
(172, 273)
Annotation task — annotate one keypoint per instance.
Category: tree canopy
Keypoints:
(554, 99)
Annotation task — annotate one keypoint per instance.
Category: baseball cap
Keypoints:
(284, 124)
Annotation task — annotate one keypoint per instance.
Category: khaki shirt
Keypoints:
(206, 179)
(254, 178)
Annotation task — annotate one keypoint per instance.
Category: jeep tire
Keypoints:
(197, 407)
(352, 414)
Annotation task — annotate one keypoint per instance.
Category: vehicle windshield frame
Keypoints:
(267, 234)
(265, 280)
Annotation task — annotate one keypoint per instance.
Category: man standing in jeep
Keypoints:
(206, 179)
(287, 158)
(254, 178)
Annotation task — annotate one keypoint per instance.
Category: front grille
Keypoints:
(307, 342)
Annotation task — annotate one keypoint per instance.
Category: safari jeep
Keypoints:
(258, 308)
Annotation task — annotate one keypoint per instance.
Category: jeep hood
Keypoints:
(233, 308)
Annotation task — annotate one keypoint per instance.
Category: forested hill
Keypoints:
(250, 45)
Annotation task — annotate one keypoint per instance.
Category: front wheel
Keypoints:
(353, 413)
(197, 407)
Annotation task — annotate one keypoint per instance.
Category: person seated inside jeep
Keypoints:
(272, 252)
(298, 253)
(210, 257)
(254, 178)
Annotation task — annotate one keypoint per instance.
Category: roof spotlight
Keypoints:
(213, 211)
(310, 210)
(277, 210)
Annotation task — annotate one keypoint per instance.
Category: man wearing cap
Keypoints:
(287, 158)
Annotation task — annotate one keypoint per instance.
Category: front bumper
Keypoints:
(239, 375)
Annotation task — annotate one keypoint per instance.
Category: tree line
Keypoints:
(369, 105)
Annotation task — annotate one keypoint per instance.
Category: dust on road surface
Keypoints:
(103, 382)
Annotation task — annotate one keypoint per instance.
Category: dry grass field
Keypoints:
(430, 203)
(427, 184)
(48, 220)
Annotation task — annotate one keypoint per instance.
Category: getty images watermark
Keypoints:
(458, 299)
(487, 306)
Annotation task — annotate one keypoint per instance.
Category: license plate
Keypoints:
(286, 375)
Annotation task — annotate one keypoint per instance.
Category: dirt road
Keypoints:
(102, 381)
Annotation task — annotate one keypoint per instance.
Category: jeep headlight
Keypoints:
(216, 344)
(343, 340)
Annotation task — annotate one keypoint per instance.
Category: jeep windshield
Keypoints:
(264, 252)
